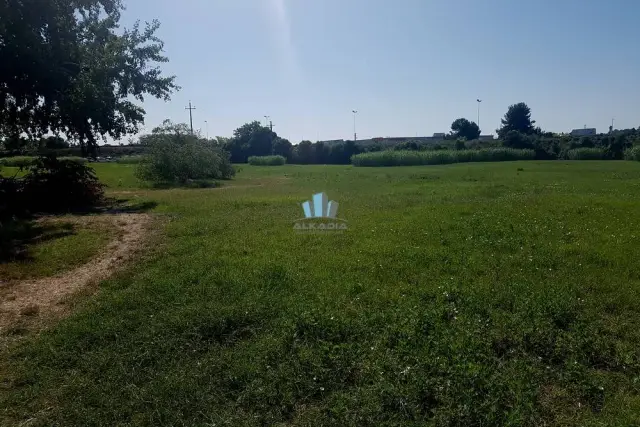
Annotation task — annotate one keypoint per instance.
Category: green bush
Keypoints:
(24, 161)
(10, 199)
(586, 153)
(440, 157)
(267, 160)
(50, 185)
(632, 153)
(60, 185)
(175, 158)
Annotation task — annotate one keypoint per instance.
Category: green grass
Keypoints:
(117, 176)
(49, 247)
(471, 294)
(439, 157)
(130, 160)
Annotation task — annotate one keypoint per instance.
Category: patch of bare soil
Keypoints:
(29, 302)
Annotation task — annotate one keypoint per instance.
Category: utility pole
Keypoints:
(271, 125)
(190, 108)
(479, 101)
(206, 124)
(355, 135)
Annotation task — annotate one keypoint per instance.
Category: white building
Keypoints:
(583, 132)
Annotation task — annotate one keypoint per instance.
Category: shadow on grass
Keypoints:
(17, 236)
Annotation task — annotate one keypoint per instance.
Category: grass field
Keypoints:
(470, 294)
(50, 247)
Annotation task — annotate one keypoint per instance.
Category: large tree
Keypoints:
(251, 139)
(463, 128)
(518, 119)
(283, 147)
(304, 153)
(66, 67)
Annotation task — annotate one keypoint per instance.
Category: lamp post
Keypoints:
(479, 101)
(355, 135)
(266, 120)
(206, 126)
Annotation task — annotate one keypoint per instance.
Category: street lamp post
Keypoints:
(206, 126)
(355, 135)
(479, 101)
(266, 120)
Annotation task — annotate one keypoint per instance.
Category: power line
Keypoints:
(190, 108)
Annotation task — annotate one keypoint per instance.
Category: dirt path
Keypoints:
(31, 301)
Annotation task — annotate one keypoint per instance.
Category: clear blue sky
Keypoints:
(408, 66)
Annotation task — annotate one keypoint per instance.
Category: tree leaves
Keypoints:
(518, 119)
(66, 67)
(463, 128)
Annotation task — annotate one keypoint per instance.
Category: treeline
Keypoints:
(255, 140)
(548, 146)
(22, 144)
(76, 151)
(517, 131)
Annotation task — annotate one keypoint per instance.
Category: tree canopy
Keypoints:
(175, 155)
(68, 68)
(463, 128)
(518, 119)
(253, 139)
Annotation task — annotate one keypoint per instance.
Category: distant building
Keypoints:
(584, 132)
(438, 135)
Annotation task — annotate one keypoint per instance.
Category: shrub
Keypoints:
(514, 139)
(267, 160)
(10, 198)
(60, 185)
(632, 153)
(175, 158)
(586, 153)
(25, 161)
(407, 145)
(617, 146)
(50, 185)
(586, 142)
(440, 157)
